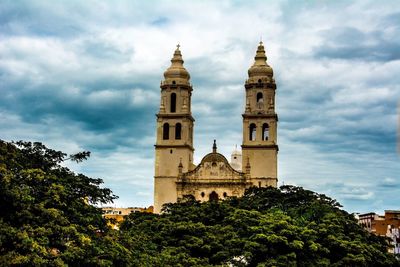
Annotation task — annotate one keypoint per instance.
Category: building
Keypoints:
(387, 225)
(118, 214)
(368, 220)
(214, 178)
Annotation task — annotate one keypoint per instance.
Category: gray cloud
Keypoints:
(351, 43)
(85, 76)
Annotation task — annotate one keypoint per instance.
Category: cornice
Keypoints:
(258, 146)
(175, 116)
(157, 146)
(263, 115)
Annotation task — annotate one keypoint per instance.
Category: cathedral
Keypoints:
(214, 177)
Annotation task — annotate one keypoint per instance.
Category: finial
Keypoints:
(180, 166)
(215, 146)
(162, 106)
(260, 47)
(248, 166)
(177, 54)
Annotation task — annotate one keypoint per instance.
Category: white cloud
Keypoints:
(140, 97)
(389, 181)
(337, 115)
(357, 193)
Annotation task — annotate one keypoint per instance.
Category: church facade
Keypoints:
(214, 177)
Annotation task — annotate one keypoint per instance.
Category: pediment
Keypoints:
(214, 166)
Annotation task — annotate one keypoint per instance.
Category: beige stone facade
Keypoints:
(214, 178)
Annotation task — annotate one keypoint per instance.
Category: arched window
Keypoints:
(252, 135)
(265, 132)
(166, 131)
(173, 102)
(178, 130)
(213, 196)
(260, 97)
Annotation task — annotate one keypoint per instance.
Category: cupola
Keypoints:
(176, 73)
(260, 69)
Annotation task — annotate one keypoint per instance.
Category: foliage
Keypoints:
(46, 216)
(289, 226)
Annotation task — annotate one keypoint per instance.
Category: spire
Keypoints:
(248, 166)
(162, 105)
(261, 58)
(177, 57)
(180, 166)
(260, 67)
(215, 146)
(176, 73)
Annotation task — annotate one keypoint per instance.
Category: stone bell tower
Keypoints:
(174, 144)
(259, 148)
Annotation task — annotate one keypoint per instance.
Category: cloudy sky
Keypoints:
(85, 75)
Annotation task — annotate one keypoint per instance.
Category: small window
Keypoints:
(178, 131)
(259, 80)
(173, 82)
(260, 97)
(202, 194)
(252, 134)
(225, 194)
(259, 184)
(171, 151)
(166, 131)
(173, 102)
(265, 132)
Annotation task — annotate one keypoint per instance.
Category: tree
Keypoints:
(47, 216)
(286, 226)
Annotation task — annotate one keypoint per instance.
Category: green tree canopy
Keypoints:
(46, 211)
(289, 226)
(47, 218)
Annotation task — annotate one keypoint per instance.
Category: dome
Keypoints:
(260, 67)
(176, 73)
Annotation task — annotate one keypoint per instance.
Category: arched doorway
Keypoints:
(213, 196)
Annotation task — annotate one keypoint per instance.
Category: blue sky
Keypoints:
(85, 75)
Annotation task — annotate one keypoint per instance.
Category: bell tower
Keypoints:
(259, 147)
(174, 143)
